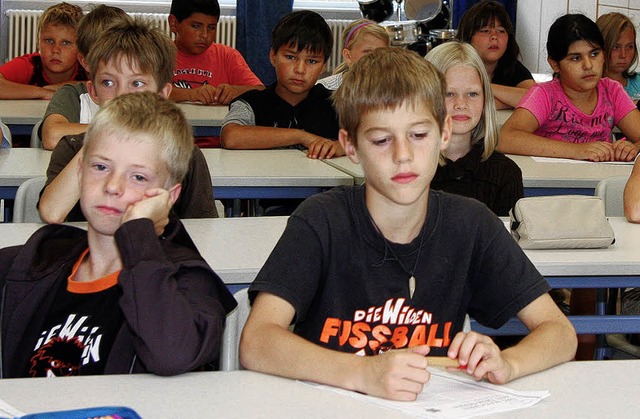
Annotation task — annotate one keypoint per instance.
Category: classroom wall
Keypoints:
(535, 18)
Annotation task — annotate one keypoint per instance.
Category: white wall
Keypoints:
(535, 18)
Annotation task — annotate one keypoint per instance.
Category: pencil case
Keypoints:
(561, 222)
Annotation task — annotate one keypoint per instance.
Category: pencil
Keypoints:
(442, 361)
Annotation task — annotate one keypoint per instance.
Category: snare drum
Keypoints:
(440, 36)
(402, 33)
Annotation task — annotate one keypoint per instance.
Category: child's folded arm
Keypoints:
(172, 306)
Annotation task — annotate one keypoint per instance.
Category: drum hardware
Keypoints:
(424, 16)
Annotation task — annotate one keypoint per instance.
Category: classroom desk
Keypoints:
(253, 174)
(578, 389)
(245, 174)
(502, 115)
(236, 248)
(22, 115)
(538, 178)
(544, 178)
(18, 165)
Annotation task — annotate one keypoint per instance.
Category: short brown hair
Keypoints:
(385, 79)
(136, 41)
(64, 14)
(94, 23)
(134, 114)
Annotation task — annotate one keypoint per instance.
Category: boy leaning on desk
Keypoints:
(131, 293)
(130, 56)
(391, 268)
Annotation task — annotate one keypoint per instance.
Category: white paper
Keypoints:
(6, 410)
(560, 160)
(455, 395)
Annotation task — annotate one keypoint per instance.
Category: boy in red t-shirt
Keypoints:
(205, 72)
(40, 74)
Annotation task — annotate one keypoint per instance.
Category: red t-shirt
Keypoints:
(219, 64)
(28, 69)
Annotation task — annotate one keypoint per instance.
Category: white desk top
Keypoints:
(28, 112)
(236, 248)
(593, 389)
(263, 168)
(20, 164)
(534, 174)
(502, 115)
(566, 175)
(22, 112)
(229, 168)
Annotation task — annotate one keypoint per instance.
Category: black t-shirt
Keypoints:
(351, 294)
(79, 331)
(315, 114)
(496, 182)
(512, 77)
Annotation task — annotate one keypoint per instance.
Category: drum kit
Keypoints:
(420, 25)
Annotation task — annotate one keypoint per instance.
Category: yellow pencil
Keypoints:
(443, 361)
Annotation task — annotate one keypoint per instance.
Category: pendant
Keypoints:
(412, 286)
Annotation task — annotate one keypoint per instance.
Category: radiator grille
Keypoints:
(23, 25)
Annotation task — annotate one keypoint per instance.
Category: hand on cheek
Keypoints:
(155, 205)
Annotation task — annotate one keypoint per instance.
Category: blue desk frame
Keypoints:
(558, 191)
(600, 324)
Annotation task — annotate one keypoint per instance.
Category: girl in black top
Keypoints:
(487, 26)
(471, 166)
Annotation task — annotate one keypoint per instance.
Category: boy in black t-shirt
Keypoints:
(116, 298)
(293, 112)
(390, 268)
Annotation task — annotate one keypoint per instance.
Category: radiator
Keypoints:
(23, 25)
(337, 27)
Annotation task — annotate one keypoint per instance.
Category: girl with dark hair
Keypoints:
(487, 26)
(573, 115)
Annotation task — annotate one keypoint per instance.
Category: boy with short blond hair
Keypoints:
(293, 112)
(390, 269)
(71, 107)
(205, 71)
(129, 57)
(116, 298)
(38, 75)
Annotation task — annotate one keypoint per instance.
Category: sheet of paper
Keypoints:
(559, 160)
(8, 411)
(455, 395)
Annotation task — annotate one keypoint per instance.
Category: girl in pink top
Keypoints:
(573, 115)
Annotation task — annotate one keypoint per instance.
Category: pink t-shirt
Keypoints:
(560, 120)
(219, 64)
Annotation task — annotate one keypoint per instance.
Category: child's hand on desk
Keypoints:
(624, 150)
(482, 357)
(155, 206)
(322, 148)
(595, 151)
(226, 93)
(205, 94)
(399, 374)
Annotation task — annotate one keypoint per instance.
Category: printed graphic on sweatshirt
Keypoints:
(64, 348)
(378, 329)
